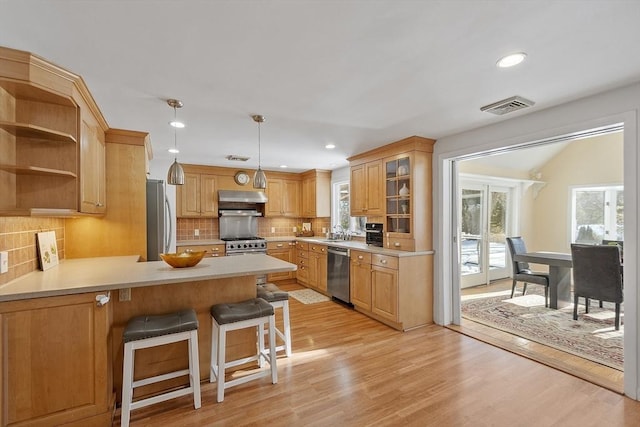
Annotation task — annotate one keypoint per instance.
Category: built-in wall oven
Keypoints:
(374, 233)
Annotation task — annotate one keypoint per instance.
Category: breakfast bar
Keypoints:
(62, 341)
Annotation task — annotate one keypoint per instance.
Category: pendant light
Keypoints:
(175, 176)
(259, 179)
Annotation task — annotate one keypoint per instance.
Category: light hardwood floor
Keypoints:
(582, 368)
(349, 370)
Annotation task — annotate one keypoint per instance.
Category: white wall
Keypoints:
(614, 106)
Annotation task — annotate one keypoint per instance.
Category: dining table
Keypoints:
(560, 265)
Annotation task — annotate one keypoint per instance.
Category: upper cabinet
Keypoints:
(52, 155)
(316, 194)
(92, 168)
(283, 197)
(366, 189)
(393, 184)
(198, 196)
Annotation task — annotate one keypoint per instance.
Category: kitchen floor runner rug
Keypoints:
(308, 296)
(591, 337)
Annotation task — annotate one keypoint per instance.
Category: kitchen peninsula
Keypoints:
(62, 349)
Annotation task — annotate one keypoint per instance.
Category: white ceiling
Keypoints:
(358, 74)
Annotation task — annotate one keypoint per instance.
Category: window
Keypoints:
(340, 218)
(597, 214)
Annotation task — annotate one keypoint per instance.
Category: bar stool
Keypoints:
(278, 299)
(230, 317)
(150, 331)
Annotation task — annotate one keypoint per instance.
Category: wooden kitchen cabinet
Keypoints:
(283, 197)
(398, 178)
(42, 111)
(318, 267)
(316, 194)
(93, 193)
(395, 290)
(198, 196)
(284, 251)
(118, 232)
(360, 279)
(57, 363)
(366, 197)
(384, 287)
(216, 250)
(302, 260)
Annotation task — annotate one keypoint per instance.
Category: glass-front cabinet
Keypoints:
(398, 195)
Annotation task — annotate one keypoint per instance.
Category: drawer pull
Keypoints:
(215, 249)
(396, 244)
(279, 245)
(360, 257)
(383, 261)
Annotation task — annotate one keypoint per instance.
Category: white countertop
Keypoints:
(349, 244)
(361, 246)
(81, 275)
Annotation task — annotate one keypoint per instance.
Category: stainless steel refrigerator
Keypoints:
(158, 220)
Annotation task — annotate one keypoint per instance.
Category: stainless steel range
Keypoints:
(254, 245)
(239, 229)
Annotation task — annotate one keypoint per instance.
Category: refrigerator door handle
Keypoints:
(167, 243)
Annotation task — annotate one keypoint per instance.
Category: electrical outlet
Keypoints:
(196, 232)
(294, 229)
(4, 262)
(273, 230)
(124, 294)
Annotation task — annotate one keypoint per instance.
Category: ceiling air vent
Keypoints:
(235, 158)
(507, 105)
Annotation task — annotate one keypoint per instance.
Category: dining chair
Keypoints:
(522, 272)
(597, 274)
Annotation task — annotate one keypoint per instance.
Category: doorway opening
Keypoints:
(531, 191)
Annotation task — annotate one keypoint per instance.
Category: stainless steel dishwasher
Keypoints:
(338, 273)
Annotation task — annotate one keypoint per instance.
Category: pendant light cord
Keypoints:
(259, 152)
(175, 134)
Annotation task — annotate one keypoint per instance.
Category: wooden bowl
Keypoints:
(183, 259)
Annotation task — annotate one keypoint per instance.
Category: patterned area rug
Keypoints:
(592, 336)
(308, 296)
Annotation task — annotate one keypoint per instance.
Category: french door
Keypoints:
(484, 224)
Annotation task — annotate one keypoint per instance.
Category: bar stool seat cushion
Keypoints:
(143, 327)
(270, 293)
(237, 312)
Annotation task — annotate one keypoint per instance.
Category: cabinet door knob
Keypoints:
(384, 261)
(279, 245)
(396, 244)
(360, 257)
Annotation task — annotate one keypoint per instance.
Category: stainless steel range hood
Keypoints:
(231, 196)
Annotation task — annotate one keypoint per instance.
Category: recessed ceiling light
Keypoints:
(177, 124)
(330, 146)
(511, 60)
(284, 166)
(174, 150)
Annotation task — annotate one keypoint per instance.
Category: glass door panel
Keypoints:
(498, 226)
(471, 209)
(484, 227)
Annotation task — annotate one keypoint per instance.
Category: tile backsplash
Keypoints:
(18, 238)
(208, 227)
